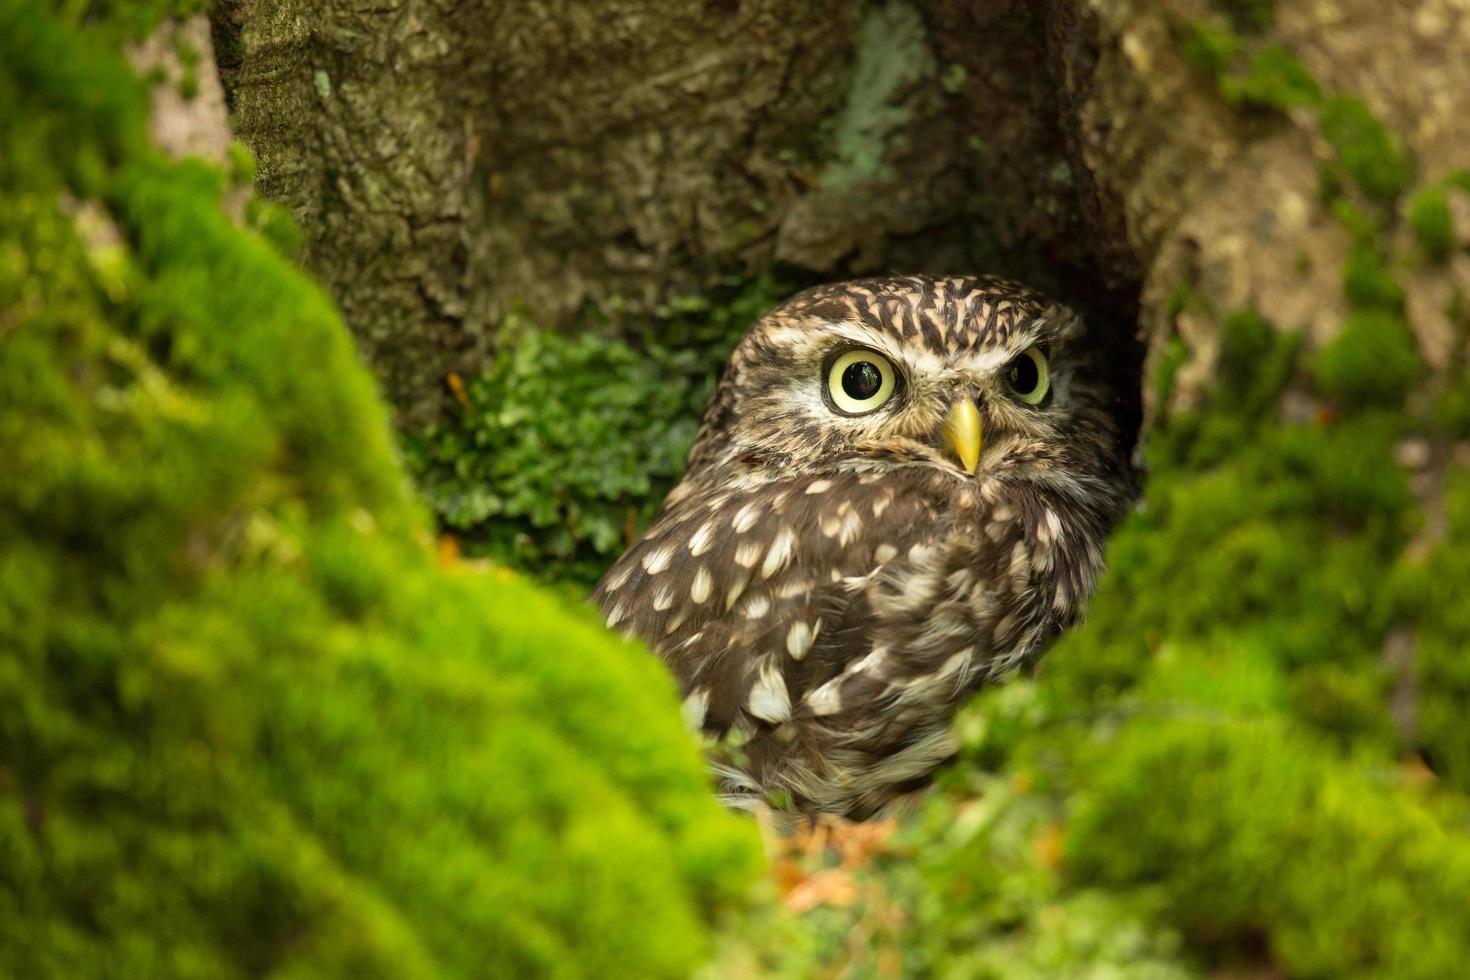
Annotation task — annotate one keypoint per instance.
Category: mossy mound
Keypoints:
(248, 725)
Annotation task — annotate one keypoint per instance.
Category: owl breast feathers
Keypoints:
(900, 491)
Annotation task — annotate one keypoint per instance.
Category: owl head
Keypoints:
(975, 376)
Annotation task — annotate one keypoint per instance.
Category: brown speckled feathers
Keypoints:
(828, 585)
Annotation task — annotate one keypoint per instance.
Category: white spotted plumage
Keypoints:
(828, 587)
(769, 700)
(699, 589)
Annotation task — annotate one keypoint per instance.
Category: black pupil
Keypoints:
(1024, 376)
(861, 380)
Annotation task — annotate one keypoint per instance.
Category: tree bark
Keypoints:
(453, 161)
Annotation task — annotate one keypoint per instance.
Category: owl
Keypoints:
(899, 493)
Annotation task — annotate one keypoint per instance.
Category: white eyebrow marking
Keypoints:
(908, 357)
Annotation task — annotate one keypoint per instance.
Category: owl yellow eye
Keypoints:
(860, 381)
(1029, 376)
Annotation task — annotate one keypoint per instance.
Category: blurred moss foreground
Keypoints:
(247, 727)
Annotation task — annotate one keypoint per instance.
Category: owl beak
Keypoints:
(963, 432)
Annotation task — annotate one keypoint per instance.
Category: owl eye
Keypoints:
(1029, 376)
(860, 381)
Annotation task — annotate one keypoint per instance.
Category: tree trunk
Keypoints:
(450, 164)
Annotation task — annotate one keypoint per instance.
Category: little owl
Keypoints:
(900, 491)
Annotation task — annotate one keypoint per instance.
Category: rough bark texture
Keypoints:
(451, 162)
(1230, 204)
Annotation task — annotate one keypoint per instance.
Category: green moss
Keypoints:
(1272, 78)
(1250, 828)
(188, 58)
(1452, 408)
(1367, 152)
(1266, 77)
(242, 165)
(114, 21)
(1367, 280)
(1433, 225)
(1180, 300)
(953, 79)
(567, 444)
(275, 224)
(1430, 596)
(1210, 48)
(1174, 357)
(1365, 227)
(995, 910)
(250, 727)
(1372, 360)
(968, 887)
(1256, 363)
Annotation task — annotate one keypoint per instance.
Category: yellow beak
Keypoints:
(963, 432)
